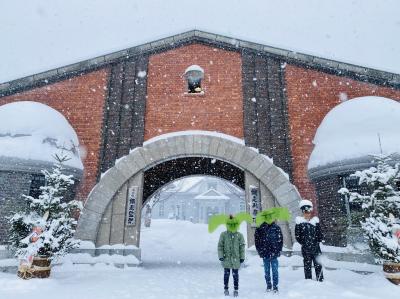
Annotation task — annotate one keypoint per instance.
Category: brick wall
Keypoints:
(220, 109)
(332, 211)
(81, 100)
(311, 95)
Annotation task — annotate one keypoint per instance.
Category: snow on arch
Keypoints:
(195, 132)
(34, 131)
(350, 130)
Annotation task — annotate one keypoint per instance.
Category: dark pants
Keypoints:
(271, 265)
(235, 274)
(310, 259)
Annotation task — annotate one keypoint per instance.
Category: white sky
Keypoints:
(38, 35)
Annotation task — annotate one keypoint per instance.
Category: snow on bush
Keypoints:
(381, 206)
(51, 213)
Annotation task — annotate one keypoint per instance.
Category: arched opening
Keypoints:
(112, 213)
(345, 142)
(174, 226)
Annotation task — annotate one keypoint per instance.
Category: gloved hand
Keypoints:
(241, 260)
(221, 259)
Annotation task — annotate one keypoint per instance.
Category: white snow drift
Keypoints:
(34, 131)
(353, 129)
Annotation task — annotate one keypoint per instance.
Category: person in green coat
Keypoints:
(231, 248)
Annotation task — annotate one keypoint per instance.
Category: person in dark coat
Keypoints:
(269, 243)
(308, 234)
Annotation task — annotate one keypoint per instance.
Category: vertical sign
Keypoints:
(255, 202)
(131, 210)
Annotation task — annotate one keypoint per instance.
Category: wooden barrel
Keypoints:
(41, 267)
(392, 272)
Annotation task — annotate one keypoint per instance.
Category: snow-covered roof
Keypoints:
(34, 131)
(357, 128)
(359, 32)
(212, 194)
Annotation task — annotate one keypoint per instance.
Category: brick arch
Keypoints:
(171, 146)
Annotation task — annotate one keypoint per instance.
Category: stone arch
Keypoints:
(259, 168)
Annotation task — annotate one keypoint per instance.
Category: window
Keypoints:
(194, 75)
(353, 210)
(38, 181)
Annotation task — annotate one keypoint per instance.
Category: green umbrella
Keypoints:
(272, 214)
(232, 222)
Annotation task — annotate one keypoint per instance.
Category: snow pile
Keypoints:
(353, 129)
(34, 131)
(86, 258)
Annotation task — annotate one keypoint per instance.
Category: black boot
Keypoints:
(235, 293)
(226, 292)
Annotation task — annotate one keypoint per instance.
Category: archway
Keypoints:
(125, 182)
(174, 228)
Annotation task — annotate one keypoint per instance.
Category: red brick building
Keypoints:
(274, 99)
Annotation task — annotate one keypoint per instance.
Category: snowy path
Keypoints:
(185, 266)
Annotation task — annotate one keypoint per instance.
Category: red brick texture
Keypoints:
(311, 95)
(81, 101)
(220, 109)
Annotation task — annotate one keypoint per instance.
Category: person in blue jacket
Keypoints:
(269, 243)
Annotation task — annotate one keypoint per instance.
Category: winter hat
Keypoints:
(305, 205)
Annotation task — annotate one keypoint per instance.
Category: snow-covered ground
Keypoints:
(180, 261)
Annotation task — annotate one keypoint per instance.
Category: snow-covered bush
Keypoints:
(381, 206)
(49, 212)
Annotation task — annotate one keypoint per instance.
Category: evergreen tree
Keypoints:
(51, 213)
(381, 206)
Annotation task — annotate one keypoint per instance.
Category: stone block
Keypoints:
(45, 75)
(171, 146)
(87, 225)
(189, 145)
(205, 35)
(275, 51)
(238, 156)
(230, 150)
(215, 142)
(326, 62)
(206, 145)
(119, 201)
(264, 166)
(197, 144)
(222, 148)
(115, 55)
(137, 157)
(247, 157)
(269, 175)
(255, 164)
(279, 182)
(127, 166)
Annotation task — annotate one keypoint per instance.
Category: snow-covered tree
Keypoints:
(51, 213)
(381, 206)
